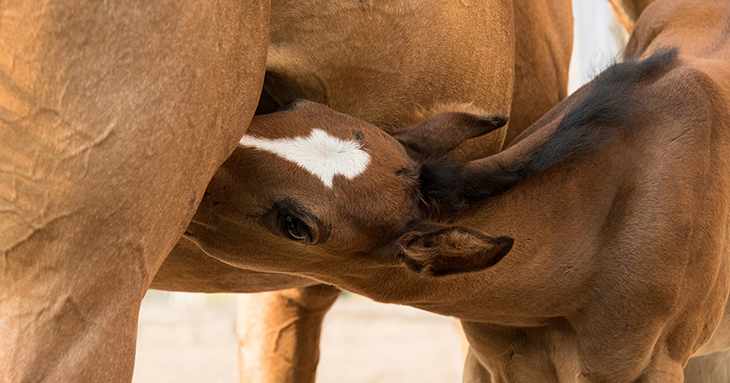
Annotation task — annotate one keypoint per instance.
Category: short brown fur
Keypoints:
(619, 270)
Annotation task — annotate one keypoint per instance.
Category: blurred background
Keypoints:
(191, 337)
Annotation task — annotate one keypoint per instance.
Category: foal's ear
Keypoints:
(442, 133)
(452, 250)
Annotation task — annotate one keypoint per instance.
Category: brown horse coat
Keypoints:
(617, 200)
(113, 117)
(370, 64)
(628, 11)
(97, 107)
(301, 54)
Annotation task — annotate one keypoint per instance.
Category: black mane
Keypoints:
(610, 103)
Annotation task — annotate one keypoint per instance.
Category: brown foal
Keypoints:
(594, 249)
(510, 55)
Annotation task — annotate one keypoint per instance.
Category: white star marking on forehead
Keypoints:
(321, 154)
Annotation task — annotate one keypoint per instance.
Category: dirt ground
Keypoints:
(190, 338)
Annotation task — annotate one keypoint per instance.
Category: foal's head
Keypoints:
(309, 186)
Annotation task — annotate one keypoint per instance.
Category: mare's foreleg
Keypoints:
(113, 117)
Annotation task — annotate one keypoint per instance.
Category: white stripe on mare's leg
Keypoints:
(321, 154)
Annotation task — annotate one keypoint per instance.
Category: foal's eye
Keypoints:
(294, 229)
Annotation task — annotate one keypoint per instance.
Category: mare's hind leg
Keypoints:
(278, 333)
(113, 117)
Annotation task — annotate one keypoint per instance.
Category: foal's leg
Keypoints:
(278, 333)
(113, 117)
(474, 371)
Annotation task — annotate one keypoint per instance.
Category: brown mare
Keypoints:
(97, 143)
(381, 61)
(542, 42)
(114, 118)
(594, 249)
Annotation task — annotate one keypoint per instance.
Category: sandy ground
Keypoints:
(191, 338)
